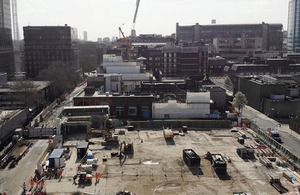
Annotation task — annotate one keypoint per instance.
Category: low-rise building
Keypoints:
(197, 105)
(275, 96)
(20, 94)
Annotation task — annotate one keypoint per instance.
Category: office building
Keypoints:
(271, 34)
(47, 44)
(293, 42)
(85, 36)
(6, 44)
(185, 61)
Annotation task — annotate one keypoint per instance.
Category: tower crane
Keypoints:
(133, 33)
(128, 45)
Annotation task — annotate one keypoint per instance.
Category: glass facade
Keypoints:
(293, 41)
(6, 44)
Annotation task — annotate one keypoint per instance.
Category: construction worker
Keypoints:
(96, 176)
(99, 176)
(31, 183)
(4, 193)
(36, 180)
(24, 187)
(60, 173)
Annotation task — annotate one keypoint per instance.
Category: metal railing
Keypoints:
(287, 155)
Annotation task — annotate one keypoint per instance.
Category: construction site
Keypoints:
(191, 162)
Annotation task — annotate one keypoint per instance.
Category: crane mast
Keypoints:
(127, 43)
(16, 37)
(133, 33)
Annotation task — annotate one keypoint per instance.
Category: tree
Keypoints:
(62, 76)
(227, 82)
(26, 91)
(239, 100)
(87, 60)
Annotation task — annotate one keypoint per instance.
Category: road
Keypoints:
(13, 178)
(290, 139)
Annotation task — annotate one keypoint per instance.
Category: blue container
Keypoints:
(146, 114)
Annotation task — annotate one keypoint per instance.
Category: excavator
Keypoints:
(126, 148)
(109, 137)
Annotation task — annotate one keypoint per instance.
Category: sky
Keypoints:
(102, 18)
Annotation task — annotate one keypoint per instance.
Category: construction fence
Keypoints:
(287, 155)
(158, 124)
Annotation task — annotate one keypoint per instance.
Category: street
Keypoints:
(13, 178)
(289, 138)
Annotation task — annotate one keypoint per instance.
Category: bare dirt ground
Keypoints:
(156, 167)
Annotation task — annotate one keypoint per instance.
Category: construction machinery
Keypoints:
(128, 45)
(168, 133)
(108, 135)
(126, 148)
(133, 33)
(83, 177)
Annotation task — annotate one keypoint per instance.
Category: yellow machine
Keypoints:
(109, 137)
(84, 177)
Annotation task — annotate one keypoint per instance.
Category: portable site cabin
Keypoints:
(56, 159)
(82, 148)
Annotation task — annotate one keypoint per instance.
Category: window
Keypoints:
(119, 111)
(114, 79)
(132, 111)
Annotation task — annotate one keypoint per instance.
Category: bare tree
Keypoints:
(25, 91)
(63, 77)
(87, 60)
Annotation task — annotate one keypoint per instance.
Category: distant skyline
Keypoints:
(101, 18)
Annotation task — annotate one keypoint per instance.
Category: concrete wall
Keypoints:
(16, 120)
(172, 109)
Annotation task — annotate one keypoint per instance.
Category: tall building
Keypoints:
(293, 37)
(46, 44)
(271, 34)
(85, 36)
(6, 44)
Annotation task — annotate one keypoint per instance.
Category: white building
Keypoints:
(197, 105)
(132, 72)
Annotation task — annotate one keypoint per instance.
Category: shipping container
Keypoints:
(191, 158)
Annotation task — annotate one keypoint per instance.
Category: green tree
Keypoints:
(239, 101)
(227, 82)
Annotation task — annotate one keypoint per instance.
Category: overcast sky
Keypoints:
(101, 18)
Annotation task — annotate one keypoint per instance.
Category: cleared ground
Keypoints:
(156, 168)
